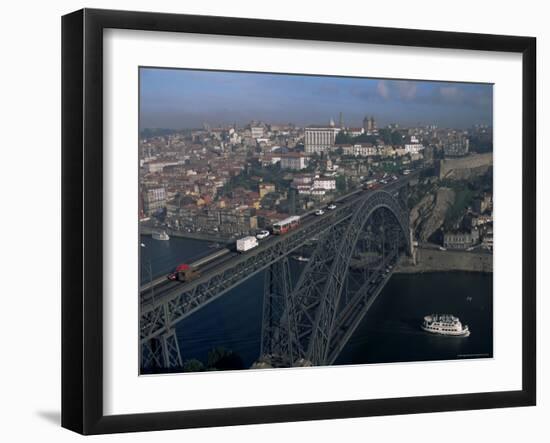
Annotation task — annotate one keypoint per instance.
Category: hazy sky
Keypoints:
(176, 98)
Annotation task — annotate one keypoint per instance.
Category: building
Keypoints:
(266, 188)
(355, 132)
(359, 150)
(256, 132)
(294, 161)
(457, 145)
(413, 148)
(319, 140)
(369, 124)
(327, 184)
(460, 240)
(302, 180)
(154, 199)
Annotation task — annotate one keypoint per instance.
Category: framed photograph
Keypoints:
(270, 221)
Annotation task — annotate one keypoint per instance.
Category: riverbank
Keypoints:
(147, 230)
(435, 260)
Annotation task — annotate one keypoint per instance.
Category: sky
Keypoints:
(180, 99)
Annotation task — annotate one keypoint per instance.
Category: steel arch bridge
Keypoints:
(311, 321)
(309, 316)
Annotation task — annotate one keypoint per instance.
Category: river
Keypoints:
(389, 332)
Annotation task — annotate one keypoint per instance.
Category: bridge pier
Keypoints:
(277, 320)
(161, 352)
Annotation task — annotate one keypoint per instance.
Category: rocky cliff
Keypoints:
(429, 214)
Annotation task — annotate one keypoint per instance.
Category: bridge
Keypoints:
(308, 318)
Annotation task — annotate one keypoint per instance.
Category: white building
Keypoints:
(159, 165)
(293, 161)
(256, 131)
(413, 148)
(359, 150)
(318, 140)
(328, 184)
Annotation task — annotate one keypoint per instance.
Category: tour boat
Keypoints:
(445, 324)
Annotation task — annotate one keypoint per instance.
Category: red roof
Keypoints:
(183, 267)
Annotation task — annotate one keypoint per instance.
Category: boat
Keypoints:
(300, 258)
(445, 324)
(160, 235)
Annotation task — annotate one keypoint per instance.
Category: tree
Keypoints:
(343, 138)
(222, 359)
(193, 365)
(341, 183)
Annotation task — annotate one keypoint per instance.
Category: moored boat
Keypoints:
(160, 235)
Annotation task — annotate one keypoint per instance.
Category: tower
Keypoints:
(366, 123)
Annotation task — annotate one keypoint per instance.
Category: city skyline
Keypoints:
(184, 99)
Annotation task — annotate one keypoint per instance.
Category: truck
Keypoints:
(184, 273)
(246, 243)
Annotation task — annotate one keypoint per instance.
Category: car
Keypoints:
(319, 212)
(262, 234)
(331, 207)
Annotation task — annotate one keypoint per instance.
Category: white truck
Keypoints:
(246, 243)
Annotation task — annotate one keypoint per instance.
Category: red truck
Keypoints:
(184, 273)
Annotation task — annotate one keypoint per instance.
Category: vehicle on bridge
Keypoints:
(371, 185)
(331, 207)
(319, 212)
(262, 234)
(283, 226)
(184, 273)
(246, 243)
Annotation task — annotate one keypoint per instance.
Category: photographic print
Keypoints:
(290, 220)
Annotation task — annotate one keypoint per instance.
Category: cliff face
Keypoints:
(465, 168)
(429, 214)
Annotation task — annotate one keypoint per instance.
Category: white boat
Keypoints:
(445, 324)
(300, 258)
(162, 235)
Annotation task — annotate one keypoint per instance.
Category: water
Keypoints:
(164, 256)
(390, 331)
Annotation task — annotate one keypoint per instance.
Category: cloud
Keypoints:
(450, 93)
(407, 90)
(383, 89)
(400, 90)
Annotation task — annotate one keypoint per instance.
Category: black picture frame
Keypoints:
(82, 188)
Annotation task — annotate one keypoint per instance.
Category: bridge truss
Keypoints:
(307, 318)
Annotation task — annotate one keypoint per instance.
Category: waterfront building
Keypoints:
(460, 240)
(153, 200)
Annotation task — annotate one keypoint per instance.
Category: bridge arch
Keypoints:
(320, 308)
